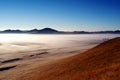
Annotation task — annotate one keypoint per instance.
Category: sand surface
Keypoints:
(22, 56)
(99, 63)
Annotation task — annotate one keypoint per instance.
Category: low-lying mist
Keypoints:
(19, 45)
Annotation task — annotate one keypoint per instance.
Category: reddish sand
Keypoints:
(99, 63)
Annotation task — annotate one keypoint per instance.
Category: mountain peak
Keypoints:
(48, 30)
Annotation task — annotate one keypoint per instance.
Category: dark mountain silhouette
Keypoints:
(11, 31)
(45, 31)
(53, 31)
(117, 31)
(48, 30)
(33, 31)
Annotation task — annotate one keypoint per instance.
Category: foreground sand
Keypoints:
(99, 63)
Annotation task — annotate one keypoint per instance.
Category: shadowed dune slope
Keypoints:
(99, 63)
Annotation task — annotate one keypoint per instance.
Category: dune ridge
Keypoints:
(99, 63)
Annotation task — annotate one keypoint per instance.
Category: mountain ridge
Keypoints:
(53, 31)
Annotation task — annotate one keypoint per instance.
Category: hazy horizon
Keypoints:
(58, 30)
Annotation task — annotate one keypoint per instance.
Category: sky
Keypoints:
(66, 15)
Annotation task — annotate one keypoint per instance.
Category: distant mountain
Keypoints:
(33, 31)
(53, 31)
(45, 31)
(11, 31)
(48, 30)
(112, 32)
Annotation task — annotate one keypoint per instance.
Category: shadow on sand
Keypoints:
(6, 68)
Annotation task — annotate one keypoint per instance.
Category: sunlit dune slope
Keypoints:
(99, 63)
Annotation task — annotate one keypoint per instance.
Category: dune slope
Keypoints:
(99, 63)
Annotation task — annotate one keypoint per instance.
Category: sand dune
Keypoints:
(99, 63)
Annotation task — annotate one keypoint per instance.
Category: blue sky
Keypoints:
(67, 15)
